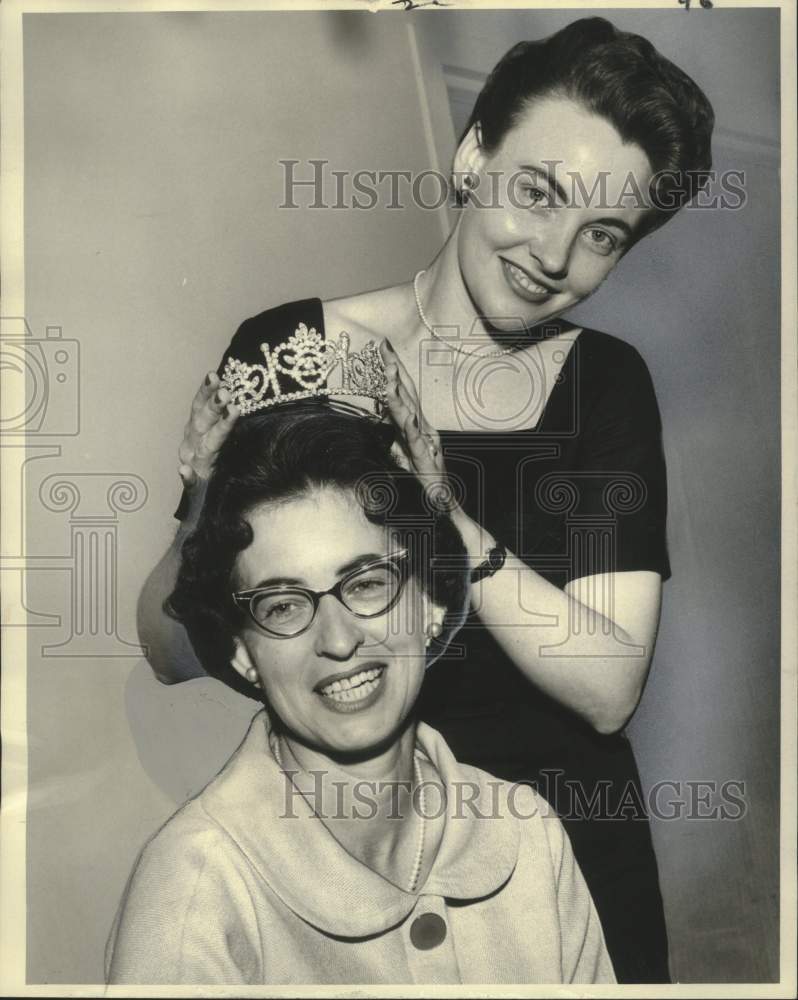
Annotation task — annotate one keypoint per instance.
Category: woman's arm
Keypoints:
(168, 647)
(588, 646)
(170, 651)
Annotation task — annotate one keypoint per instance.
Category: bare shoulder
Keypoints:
(374, 315)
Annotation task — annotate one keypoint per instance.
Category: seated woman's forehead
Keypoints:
(312, 535)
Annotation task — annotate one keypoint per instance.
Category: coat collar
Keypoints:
(294, 852)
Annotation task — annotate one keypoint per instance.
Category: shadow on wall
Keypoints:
(184, 733)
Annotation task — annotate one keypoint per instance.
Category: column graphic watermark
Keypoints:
(42, 406)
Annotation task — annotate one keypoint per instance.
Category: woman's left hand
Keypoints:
(420, 441)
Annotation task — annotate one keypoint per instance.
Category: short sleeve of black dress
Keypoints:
(616, 489)
(270, 327)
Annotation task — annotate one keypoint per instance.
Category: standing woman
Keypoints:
(578, 146)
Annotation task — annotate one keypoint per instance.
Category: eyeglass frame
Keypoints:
(244, 599)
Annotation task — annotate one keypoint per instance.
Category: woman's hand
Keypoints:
(606, 659)
(420, 441)
(169, 649)
(211, 420)
(421, 445)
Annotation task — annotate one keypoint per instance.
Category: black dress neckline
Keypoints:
(553, 417)
(552, 406)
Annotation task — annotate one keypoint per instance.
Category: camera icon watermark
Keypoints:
(490, 390)
(40, 381)
(41, 402)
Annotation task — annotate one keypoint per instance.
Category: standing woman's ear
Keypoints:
(469, 161)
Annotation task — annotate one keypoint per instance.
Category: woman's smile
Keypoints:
(522, 283)
(355, 690)
(346, 682)
(561, 222)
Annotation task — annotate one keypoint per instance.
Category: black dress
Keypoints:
(583, 493)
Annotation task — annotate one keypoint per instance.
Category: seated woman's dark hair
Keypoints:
(624, 79)
(286, 453)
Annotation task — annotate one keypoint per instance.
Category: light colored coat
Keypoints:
(245, 885)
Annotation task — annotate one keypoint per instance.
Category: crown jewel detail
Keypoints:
(300, 368)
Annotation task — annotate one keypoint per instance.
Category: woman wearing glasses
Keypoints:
(578, 147)
(342, 842)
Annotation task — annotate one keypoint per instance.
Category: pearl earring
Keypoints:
(469, 182)
(433, 630)
(252, 676)
(466, 184)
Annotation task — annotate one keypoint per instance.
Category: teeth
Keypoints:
(357, 694)
(353, 688)
(523, 280)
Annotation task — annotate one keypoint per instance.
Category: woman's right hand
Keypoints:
(170, 650)
(211, 420)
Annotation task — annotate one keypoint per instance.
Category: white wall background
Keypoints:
(151, 230)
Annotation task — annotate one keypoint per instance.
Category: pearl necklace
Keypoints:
(417, 862)
(419, 858)
(449, 343)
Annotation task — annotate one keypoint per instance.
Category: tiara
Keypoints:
(300, 368)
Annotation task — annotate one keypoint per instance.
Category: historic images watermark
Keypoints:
(316, 184)
(666, 800)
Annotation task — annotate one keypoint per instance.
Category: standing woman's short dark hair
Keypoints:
(624, 79)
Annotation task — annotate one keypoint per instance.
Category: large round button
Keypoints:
(427, 931)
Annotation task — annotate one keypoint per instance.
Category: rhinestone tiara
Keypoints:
(305, 366)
